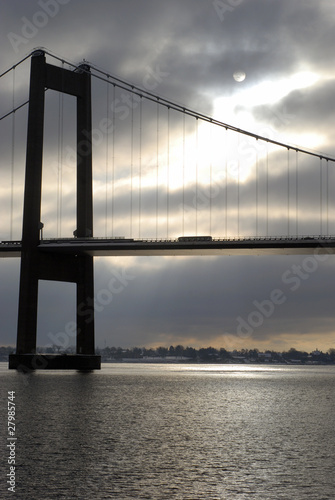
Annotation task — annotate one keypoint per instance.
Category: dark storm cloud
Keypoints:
(194, 51)
(303, 110)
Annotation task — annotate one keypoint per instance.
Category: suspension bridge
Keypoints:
(129, 172)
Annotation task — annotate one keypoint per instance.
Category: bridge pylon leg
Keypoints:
(85, 306)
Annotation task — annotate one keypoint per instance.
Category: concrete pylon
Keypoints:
(36, 265)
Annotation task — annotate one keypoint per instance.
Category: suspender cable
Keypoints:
(140, 175)
(107, 163)
(288, 191)
(196, 172)
(131, 165)
(113, 161)
(267, 190)
(226, 186)
(321, 211)
(157, 167)
(327, 197)
(184, 166)
(59, 165)
(60, 161)
(238, 189)
(168, 175)
(210, 178)
(257, 195)
(12, 162)
(296, 193)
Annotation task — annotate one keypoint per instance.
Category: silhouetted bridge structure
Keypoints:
(171, 180)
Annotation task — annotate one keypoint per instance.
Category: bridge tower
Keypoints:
(36, 265)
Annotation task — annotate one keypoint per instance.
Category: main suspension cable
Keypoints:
(14, 110)
(177, 107)
(15, 65)
(113, 80)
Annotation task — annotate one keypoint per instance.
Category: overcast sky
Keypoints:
(187, 51)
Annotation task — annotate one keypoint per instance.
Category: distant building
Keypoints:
(265, 356)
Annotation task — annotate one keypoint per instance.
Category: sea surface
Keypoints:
(142, 431)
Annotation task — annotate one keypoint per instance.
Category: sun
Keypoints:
(239, 76)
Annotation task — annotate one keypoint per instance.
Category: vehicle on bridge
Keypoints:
(14, 242)
(194, 238)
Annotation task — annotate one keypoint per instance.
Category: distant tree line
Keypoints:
(204, 354)
(212, 355)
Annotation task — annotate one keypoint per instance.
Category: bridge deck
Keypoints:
(104, 247)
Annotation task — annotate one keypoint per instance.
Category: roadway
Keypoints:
(106, 247)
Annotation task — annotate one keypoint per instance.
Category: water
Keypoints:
(172, 432)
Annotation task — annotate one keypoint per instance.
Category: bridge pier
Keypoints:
(34, 264)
